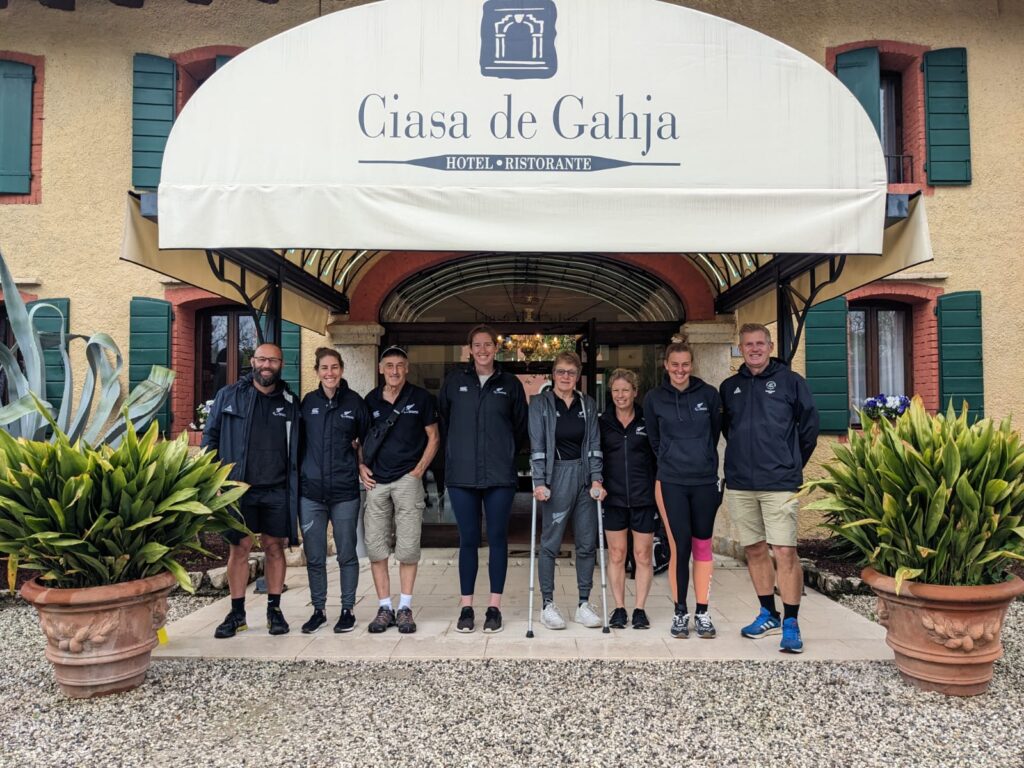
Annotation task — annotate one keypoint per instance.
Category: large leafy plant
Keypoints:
(102, 421)
(88, 517)
(932, 498)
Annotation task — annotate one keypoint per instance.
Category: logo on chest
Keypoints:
(770, 386)
(315, 412)
(279, 411)
(500, 391)
(346, 415)
(701, 408)
(463, 389)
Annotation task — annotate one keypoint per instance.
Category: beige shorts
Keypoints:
(393, 520)
(764, 516)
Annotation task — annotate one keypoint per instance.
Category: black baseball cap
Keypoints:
(393, 351)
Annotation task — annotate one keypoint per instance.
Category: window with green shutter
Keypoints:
(961, 363)
(16, 81)
(49, 321)
(153, 96)
(149, 344)
(826, 363)
(947, 122)
(860, 71)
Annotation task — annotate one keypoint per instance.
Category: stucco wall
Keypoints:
(72, 239)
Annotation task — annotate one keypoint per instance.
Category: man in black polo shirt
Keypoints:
(253, 424)
(394, 487)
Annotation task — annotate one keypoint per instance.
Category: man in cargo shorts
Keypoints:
(771, 425)
(393, 478)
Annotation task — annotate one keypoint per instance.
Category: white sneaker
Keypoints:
(587, 616)
(551, 617)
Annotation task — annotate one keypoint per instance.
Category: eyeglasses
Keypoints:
(262, 360)
(566, 372)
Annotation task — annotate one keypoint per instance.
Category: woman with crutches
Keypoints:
(684, 422)
(629, 479)
(565, 458)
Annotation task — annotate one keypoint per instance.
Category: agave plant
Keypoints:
(26, 381)
(932, 498)
(87, 517)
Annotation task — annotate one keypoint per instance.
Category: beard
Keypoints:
(266, 378)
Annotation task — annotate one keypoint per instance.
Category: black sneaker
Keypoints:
(405, 623)
(492, 620)
(640, 620)
(466, 620)
(346, 622)
(317, 620)
(385, 618)
(276, 623)
(232, 624)
(618, 619)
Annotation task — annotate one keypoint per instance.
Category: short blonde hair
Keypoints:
(626, 375)
(568, 357)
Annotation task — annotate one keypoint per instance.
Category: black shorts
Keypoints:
(264, 510)
(636, 519)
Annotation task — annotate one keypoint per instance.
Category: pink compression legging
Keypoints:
(688, 512)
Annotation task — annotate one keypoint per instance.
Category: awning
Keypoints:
(568, 126)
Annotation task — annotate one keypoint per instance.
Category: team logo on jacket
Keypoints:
(463, 389)
(376, 414)
(229, 409)
(279, 412)
(770, 386)
(500, 391)
(701, 407)
(315, 412)
(641, 430)
(347, 415)
(411, 410)
(737, 391)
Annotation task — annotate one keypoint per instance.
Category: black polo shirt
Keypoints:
(266, 463)
(403, 447)
(570, 429)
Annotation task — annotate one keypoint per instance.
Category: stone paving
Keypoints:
(831, 632)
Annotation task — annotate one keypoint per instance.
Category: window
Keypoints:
(891, 123)
(21, 103)
(226, 340)
(878, 350)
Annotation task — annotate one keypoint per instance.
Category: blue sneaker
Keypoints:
(791, 642)
(765, 624)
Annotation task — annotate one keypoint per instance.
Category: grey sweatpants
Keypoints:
(570, 498)
(344, 516)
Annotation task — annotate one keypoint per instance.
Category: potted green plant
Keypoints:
(934, 505)
(104, 527)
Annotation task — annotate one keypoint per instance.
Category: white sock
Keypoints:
(385, 602)
(404, 601)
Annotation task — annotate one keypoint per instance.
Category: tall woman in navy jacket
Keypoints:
(684, 422)
(484, 412)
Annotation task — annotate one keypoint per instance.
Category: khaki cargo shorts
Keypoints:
(764, 516)
(394, 513)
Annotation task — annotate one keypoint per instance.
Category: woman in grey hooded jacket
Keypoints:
(566, 460)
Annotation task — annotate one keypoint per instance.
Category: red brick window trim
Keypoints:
(921, 301)
(195, 66)
(905, 58)
(35, 193)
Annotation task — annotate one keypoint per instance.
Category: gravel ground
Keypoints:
(235, 713)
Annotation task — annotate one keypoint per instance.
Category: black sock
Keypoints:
(702, 607)
(790, 611)
(238, 605)
(681, 608)
(546, 600)
(273, 601)
(584, 599)
(768, 603)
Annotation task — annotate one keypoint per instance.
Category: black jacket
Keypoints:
(771, 425)
(485, 427)
(329, 465)
(227, 433)
(629, 464)
(684, 428)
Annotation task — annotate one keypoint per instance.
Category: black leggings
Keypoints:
(691, 511)
(497, 506)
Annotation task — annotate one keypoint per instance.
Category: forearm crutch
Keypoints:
(533, 550)
(600, 549)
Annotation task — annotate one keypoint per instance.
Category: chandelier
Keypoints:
(535, 346)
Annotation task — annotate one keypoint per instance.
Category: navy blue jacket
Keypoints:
(329, 465)
(684, 428)
(629, 464)
(485, 427)
(227, 434)
(771, 425)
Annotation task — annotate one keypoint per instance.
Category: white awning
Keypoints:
(550, 125)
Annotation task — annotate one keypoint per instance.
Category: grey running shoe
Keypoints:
(681, 625)
(405, 623)
(702, 623)
(588, 616)
(551, 617)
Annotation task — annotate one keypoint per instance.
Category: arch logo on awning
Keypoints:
(517, 39)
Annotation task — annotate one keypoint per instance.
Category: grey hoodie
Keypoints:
(542, 437)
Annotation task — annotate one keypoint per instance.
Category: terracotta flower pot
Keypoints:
(945, 638)
(99, 639)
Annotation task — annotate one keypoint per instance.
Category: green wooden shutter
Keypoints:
(153, 95)
(149, 344)
(961, 364)
(16, 81)
(291, 351)
(49, 322)
(860, 71)
(826, 363)
(947, 123)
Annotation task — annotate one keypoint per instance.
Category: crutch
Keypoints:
(533, 550)
(600, 547)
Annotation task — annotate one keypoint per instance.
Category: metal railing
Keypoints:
(899, 169)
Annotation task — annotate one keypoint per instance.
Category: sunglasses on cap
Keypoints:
(393, 351)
